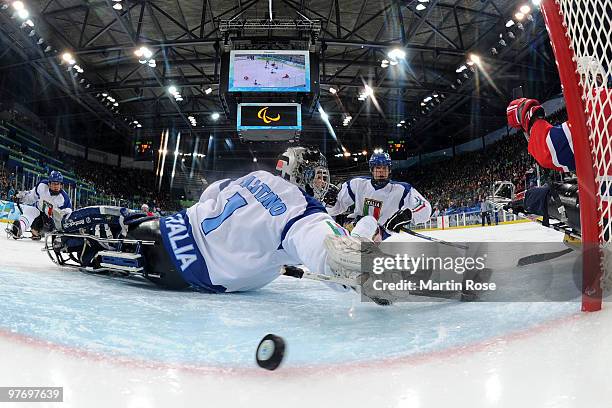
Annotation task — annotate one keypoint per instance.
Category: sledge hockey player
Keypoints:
(552, 148)
(235, 238)
(382, 206)
(37, 206)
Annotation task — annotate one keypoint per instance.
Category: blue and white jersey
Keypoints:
(242, 231)
(380, 203)
(41, 194)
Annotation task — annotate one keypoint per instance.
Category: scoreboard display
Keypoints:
(271, 116)
(143, 150)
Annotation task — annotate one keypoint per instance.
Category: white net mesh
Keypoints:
(589, 28)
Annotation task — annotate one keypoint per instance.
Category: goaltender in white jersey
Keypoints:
(379, 201)
(241, 232)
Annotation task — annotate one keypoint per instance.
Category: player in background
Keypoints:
(145, 209)
(240, 232)
(38, 205)
(381, 205)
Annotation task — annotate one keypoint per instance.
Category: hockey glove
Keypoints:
(399, 220)
(331, 196)
(523, 113)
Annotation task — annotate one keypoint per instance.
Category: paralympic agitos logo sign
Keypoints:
(263, 115)
(270, 115)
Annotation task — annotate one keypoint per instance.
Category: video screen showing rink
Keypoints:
(269, 71)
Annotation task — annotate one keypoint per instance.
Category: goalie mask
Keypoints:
(591, 71)
(306, 168)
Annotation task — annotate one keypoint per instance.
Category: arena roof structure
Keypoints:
(429, 96)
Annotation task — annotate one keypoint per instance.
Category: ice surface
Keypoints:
(111, 342)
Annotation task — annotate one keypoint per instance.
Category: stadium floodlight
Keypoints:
(254, 159)
(208, 91)
(396, 54)
(461, 69)
(172, 89)
(215, 116)
(536, 2)
(525, 9)
(475, 59)
(67, 57)
(18, 5)
(347, 154)
(402, 121)
(509, 23)
(40, 41)
(368, 91)
(147, 53)
(117, 6)
(23, 14)
(420, 7)
(333, 91)
(139, 125)
(519, 16)
(29, 22)
(399, 125)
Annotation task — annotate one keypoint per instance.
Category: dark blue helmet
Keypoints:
(56, 177)
(380, 159)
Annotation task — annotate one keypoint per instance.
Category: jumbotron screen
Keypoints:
(269, 71)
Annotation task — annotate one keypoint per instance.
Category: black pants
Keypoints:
(157, 260)
(487, 215)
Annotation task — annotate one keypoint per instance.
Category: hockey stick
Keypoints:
(537, 258)
(432, 239)
(303, 273)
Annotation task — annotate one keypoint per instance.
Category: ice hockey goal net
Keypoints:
(580, 33)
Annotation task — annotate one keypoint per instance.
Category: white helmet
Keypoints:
(305, 167)
(145, 208)
(591, 68)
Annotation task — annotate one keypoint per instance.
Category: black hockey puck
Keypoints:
(270, 352)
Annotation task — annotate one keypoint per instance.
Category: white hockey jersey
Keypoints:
(40, 195)
(381, 203)
(242, 231)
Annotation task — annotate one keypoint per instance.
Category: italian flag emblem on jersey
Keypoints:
(372, 207)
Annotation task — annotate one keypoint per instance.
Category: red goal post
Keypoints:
(579, 31)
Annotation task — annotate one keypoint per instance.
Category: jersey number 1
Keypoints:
(233, 203)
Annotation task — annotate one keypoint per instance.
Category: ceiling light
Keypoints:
(475, 58)
(396, 54)
(333, 91)
(215, 116)
(519, 16)
(509, 23)
(536, 2)
(420, 7)
(208, 91)
(172, 89)
(525, 9)
(117, 6)
(18, 5)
